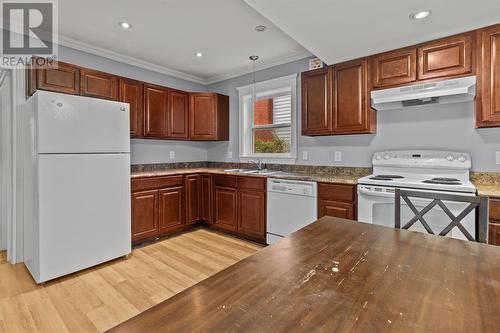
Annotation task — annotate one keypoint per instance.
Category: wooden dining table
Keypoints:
(338, 275)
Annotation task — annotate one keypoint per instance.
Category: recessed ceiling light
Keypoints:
(198, 54)
(260, 28)
(421, 14)
(125, 25)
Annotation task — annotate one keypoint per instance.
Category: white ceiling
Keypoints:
(339, 30)
(166, 34)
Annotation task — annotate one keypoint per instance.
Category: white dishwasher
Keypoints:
(291, 205)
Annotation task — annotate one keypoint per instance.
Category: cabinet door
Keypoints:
(144, 214)
(352, 113)
(171, 209)
(178, 114)
(202, 109)
(252, 213)
(155, 111)
(316, 102)
(131, 92)
(226, 208)
(394, 68)
(64, 79)
(445, 57)
(494, 234)
(98, 84)
(488, 97)
(207, 198)
(193, 198)
(336, 209)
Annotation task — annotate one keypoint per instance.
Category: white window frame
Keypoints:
(246, 121)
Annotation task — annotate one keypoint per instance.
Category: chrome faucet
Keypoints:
(259, 164)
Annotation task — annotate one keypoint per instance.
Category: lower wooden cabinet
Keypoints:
(494, 226)
(171, 209)
(337, 200)
(144, 214)
(207, 198)
(193, 198)
(240, 205)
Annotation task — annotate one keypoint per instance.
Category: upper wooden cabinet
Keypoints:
(446, 57)
(155, 111)
(98, 84)
(130, 91)
(178, 114)
(316, 102)
(65, 79)
(208, 116)
(393, 68)
(352, 113)
(488, 73)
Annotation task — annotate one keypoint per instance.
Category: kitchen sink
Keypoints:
(253, 171)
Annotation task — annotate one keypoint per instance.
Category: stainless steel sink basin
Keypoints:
(254, 171)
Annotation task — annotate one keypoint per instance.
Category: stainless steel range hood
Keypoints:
(440, 92)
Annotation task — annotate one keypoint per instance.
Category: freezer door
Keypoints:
(76, 124)
(84, 211)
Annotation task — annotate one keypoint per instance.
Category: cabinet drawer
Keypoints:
(156, 182)
(251, 183)
(336, 192)
(336, 209)
(495, 210)
(226, 181)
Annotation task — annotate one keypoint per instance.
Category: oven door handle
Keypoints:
(375, 193)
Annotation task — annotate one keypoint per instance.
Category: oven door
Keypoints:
(376, 205)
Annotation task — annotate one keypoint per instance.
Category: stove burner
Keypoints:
(443, 181)
(386, 177)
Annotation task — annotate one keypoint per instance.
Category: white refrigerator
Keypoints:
(76, 183)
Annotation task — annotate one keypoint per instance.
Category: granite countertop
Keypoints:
(486, 183)
(351, 179)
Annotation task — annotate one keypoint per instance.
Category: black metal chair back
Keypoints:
(477, 203)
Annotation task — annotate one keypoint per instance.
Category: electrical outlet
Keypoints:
(338, 156)
(229, 154)
(497, 155)
(172, 154)
(305, 155)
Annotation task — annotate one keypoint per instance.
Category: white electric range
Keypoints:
(418, 170)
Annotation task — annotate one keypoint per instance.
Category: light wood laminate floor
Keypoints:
(104, 296)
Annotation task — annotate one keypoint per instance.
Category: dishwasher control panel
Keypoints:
(292, 187)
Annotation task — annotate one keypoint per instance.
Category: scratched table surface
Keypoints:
(338, 275)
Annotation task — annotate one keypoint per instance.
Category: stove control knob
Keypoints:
(450, 158)
(378, 157)
(462, 159)
(387, 156)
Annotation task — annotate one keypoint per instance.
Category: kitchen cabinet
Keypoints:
(64, 79)
(494, 225)
(98, 84)
(352, 113)
(316, 102)
(171, 209)
(394, 68)
(446, 57)
(207, 198)
(130, 91)
(488, 78)
(337, 200)
(155, 111)
(144, 214)
(178, 114)
(193, 198)
(157, 206)
(208, 116)
(226, 208)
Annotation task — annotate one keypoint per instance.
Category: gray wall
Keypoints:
(447, 127)
(144, 151)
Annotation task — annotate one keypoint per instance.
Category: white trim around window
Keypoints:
(275, 88)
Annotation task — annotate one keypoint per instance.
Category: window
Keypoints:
(267, 126)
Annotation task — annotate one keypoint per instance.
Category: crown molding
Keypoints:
(96, 50)
(102, 52)
(260, 65)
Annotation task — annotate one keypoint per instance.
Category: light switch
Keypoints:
(305, 155)
(229, 154)
(172, 154)
(338, 156)
(497, 154)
